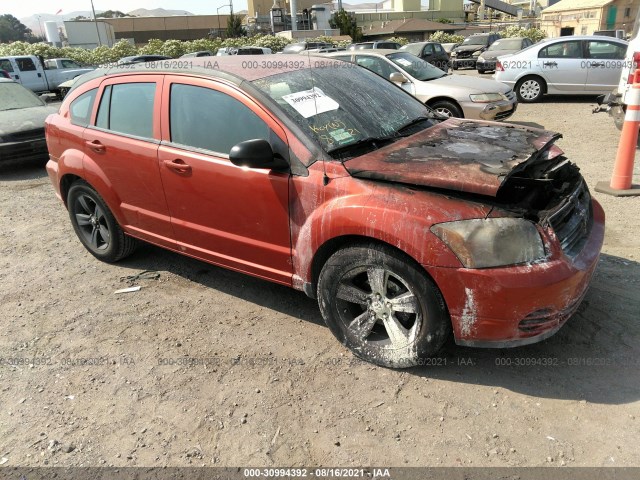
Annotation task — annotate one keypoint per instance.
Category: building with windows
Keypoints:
(584, 17)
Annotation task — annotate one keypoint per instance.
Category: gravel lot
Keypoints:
(204, 366)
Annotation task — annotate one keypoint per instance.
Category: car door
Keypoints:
(122, 146)
(29, 75)
(229, 215)
(604, 61)
(561, 66)
(441, 57)
(428, 54)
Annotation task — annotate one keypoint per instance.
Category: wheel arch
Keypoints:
(439, 98)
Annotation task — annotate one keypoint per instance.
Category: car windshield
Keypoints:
(415, 48)
(14, 96)
(416, 67)
(506, 44)
(475, 41)
(342, 119)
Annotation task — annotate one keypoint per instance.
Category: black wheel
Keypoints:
(530, 90)
(96, 226)
(481, 71)
(447, 108)
(382, 306)
(454, 66)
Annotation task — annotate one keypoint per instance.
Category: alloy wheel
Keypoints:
(92, 222)
(530, 89)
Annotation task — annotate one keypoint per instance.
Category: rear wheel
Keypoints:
(481, 71)
(382, 306)
(447, 108)
(96, 226)
(530, 90)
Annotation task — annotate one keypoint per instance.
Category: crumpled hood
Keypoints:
(14, 121)
(462, 155)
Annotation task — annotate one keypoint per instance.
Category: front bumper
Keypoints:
(490, 111)
(513, 306)
(27, 150)
(485, 65)
(466, 62)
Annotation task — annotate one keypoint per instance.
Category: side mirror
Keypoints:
(397, 77)
(256, 153)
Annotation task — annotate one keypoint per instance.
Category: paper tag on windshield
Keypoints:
(311, 102)
(403, 61)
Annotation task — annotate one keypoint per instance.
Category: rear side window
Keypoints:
(80, 109)
(570, 49)
(210, 120)
(605, 50)
(25, 64)
(128, 108)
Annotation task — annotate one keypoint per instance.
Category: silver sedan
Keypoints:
(460, 96)
(577, 65)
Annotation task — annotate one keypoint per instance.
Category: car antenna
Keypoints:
(325, 177)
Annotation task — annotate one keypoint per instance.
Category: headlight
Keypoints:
(475, 54)
(480, 59)
(486, 97)
(454, 54)
(492, 242)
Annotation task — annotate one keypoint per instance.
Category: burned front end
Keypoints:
(526, 264)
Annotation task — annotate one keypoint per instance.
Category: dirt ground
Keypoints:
(204, 366)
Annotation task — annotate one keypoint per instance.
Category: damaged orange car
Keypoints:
(325, 177)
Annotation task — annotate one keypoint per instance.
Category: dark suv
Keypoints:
(466, 54)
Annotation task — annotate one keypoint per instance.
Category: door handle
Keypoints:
(599, 64)
(178, 166)
(17, 77)
(39, 75)
(96, 146)
(550, 64)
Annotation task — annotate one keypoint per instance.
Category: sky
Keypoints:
(25, 8)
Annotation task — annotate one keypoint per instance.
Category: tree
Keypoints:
(112, 14)
(442, 37)
(533, 34)
(11, 29)
(234, 27)
(444, 20)
(347, 24)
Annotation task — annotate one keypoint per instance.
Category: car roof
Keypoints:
(232, 68)
(584, 37)
(378, 52)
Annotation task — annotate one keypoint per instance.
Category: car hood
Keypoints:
(461, 155)
(469, 83)
(468, 48)
(493, 54)
(25, 119)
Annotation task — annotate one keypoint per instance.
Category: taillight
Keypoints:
(499, 67)
(636, 63)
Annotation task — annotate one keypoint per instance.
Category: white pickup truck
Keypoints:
(41, 75)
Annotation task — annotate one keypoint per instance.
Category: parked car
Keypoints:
(22, 115)
(503, 46)
(301, 46)
(374, 45)
(466, 54)
(33, 73)
(577, 65)
(224, 51)
(431, 52)
(201, 53)
(459, 96)
(403, 225)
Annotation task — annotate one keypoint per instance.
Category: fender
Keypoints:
(69, 163)
(395, 214)
(94, 175)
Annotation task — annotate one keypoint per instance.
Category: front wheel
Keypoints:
(382, 306)
(96, 226)
(447, 108)
(529, 90)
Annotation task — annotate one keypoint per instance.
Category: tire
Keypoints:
(454, 66)
(481, 71)
(95, 225)
(448, 108)
(530, 89)
(400, 320)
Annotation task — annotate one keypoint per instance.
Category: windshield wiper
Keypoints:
(375, 142)
(416, 121)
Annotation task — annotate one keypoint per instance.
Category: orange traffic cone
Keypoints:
(620, 184)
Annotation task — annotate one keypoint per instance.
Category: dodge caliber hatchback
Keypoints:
(404, 225)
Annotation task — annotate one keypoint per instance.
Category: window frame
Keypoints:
(158, 79)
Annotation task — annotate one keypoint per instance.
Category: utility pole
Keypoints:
(95, 20)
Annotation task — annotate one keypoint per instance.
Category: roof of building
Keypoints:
(409, 25)
(564, 5)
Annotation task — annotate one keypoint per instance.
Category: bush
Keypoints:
(400, 40)
(534, 34)
(442, 37)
